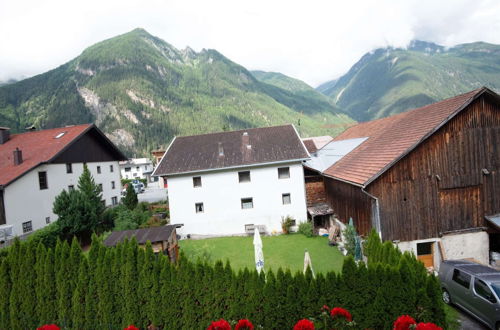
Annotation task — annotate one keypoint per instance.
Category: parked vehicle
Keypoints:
(473, 287)
(138, 187)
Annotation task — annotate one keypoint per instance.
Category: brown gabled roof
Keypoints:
(232, 149)
(310, 146)
(389, 139)
(39, 147)
(152, 234)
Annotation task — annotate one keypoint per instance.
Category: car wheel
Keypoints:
(446, 297)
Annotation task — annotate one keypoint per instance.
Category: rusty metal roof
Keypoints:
(152, 234)
(391, 138)
(247, 147)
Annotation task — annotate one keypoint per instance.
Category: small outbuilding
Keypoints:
(163, 239)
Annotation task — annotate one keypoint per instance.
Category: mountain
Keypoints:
(389, 80)
(142, 91)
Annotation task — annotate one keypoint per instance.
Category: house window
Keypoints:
(47, 220)
(71, 187)
(100, 186)
(112, 185)
(69, 168)
(42, 180)
(283, 172)
(286, 199)
(461, 278)
(197, 181)
(247, 203)
(244, 176)
(127, 169)
(27, 227)
(137, 168)
(136, 174)
(111, 169)
(114, 200)
(199, 207)
(98, 170)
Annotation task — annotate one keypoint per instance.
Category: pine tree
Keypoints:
(408, 289)
(436, 303)
(131, 308)
(28, 279)
(48, 309)
(39, 280)
(270, 301)
(130, 200)
(63, 287)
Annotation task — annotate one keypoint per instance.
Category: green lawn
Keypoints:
(285, 251)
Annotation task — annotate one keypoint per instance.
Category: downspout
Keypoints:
(375, 212)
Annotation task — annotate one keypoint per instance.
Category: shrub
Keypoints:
(47, 235)
(286, 224)
(350, 239)
(306, 229)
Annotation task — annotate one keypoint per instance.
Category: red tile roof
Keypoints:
(231, 149)
(391, 138)
(37, 147)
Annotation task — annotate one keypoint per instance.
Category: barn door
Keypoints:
(425, 253)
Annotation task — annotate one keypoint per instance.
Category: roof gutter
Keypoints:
(375, 212)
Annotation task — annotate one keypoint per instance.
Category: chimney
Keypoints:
(245, 139)
(18, 156)
(221, 150)
(4, 134)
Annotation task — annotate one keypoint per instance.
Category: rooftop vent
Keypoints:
(221, 150)
(4, 134)
(18, 156)
(60, 135)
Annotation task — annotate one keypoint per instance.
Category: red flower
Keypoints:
(428, 326)
(325, 307)
(131, 327)
(304, 324)
(404, 322)
(244, 325)
(338, 311)
(48, 327)
(219, 325)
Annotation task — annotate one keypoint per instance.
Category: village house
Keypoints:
(37, 165)
(227, 183)
(163, 239)
(427, 179)
(136, 168)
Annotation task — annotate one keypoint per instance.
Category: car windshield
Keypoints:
(496, 288)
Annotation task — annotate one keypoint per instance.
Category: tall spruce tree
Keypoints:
(130, 200)
(48, 309)
(5, 287)
(78, 299)
(39, 280)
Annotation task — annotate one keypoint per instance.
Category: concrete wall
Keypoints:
(457, 246)
(24, 201)
(221, 195)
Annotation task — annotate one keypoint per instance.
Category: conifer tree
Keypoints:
(436, 303)
(270, 301)
(63, 287)
(424, 306)
(48, 309)
(5, 287)
(28, 280)
(39, 278)
(408, 288)
(146, 283)
(78, 298)
(131, 308)
(130, 200)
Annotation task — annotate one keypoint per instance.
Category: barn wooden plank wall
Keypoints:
(441, 185)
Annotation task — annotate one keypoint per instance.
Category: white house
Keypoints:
(36, 166)
(136, 168)
(222, 182)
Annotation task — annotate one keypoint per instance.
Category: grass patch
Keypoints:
(451, 318)
(285, 251)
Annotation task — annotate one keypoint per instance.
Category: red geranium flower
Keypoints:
(428, 326)
(244, 325)
(131, 327)
(48, 327)
(219, 325)
(325, 307)
(404, 322)
(304, 324)
(338, 311)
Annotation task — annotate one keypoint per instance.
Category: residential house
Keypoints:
(427, 179)
(36, 166)
(225, 183)
(163, 239)
(136, 168)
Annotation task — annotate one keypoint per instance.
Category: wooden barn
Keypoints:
(427, 179)
(163, 239)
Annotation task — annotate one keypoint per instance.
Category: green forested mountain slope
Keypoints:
(141, 92)
(388, 81)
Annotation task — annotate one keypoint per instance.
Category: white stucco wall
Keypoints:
(457, 246)
(221, 195)
(137, 168)
(24, 201)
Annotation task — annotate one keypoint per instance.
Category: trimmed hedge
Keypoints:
(110, 288)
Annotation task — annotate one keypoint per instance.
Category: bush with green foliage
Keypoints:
(113, 287)
(287, 223)
(306, 229)
(350, 239)
(47, 235)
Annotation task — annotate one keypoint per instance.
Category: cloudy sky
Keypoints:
(311, 40)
